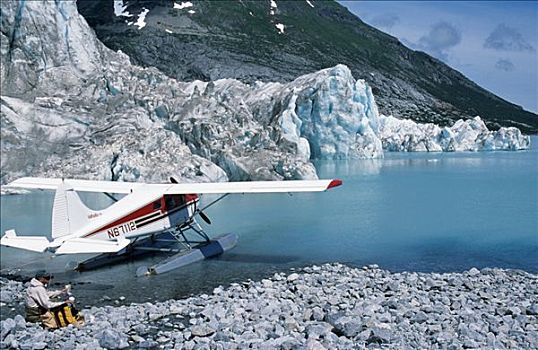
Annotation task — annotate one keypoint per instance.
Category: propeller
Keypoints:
(198, 211)
(204, 217)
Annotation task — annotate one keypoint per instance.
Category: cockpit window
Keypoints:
(174, 201)
(170, 203)
(157, 205)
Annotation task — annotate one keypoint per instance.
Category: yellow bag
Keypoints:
(64, 316)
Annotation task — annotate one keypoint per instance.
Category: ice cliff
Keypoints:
(465, 135)
(71, 107)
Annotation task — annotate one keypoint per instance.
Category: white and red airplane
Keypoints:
(140, 218)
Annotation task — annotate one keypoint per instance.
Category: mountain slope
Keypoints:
(70, 107)
(240, 39)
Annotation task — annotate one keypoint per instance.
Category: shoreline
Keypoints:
(317, 307)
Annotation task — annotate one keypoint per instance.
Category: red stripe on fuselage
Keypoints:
(145, 210)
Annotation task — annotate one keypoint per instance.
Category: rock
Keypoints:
(312, 344)
(298, 315)
(470, 344)
(348, 326)
(318, 314)
(379, 336)
(20, 322)
(137, 338)
(148, 344)
(6, 296)
(267, 283)
(39, 345)
(292, 277)
(474, 272)
(318, 330)
(287, 343)
(419, 317)
(6, 326)
(532, 310)
(514, 311)
(112, 339)
(393, 286)
(201, 330)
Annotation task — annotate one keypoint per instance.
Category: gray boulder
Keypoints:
(112, 339)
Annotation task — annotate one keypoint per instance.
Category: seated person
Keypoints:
(38, 302)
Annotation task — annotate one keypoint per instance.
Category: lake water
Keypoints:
(410, 211)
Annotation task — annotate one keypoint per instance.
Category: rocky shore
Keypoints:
(320, 307)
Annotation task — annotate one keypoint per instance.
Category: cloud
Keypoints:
(441, 37)
(504, 38)
(505, 65)
(385, 20)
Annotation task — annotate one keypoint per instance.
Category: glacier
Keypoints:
(465, 135)
(73, 108)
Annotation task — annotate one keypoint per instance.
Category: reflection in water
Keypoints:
(348, 167)
(261, 259)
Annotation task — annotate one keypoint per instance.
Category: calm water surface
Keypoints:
(421, 212)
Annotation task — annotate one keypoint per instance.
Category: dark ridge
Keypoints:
(238, 39)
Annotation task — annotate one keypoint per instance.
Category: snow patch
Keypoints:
(280, 27)
(309, 3)
(140, 23)
(191, 12)
(183, 5)
(119, 9)
(273, 8)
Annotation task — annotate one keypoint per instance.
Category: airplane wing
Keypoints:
(78, 185)
(184, 188)
(254, 187)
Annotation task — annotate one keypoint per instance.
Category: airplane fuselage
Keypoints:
(156, 216)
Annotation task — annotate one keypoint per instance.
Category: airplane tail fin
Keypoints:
(68, 213)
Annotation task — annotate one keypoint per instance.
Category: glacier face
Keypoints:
(73, 108)
(328, 111)
(465, 135)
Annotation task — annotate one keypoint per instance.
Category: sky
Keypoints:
(493, 43)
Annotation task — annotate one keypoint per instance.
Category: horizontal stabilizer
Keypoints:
(33, 243)
(89, 246)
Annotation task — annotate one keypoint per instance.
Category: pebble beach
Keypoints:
(332, 306)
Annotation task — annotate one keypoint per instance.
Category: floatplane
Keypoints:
(149, 217)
